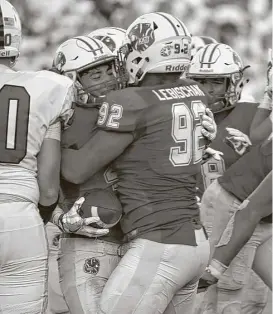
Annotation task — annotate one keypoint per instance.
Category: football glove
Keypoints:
(212, 153)
(72, 222)
(209, 129)
(238, 141)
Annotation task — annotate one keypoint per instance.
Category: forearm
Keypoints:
(259, 205)
(79, 165)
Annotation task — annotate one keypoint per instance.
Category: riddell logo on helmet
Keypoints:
(177, 68)
(206, 70)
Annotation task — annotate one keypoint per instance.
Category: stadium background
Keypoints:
(246, 25)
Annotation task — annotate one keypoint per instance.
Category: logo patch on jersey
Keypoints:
(142, 36)
(91, 266)
(60, 61)
(108, 41)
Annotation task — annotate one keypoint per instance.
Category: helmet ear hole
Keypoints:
(137, 60)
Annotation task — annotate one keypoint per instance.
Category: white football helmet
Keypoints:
(200, 41)
(82, 53)
(216, 61)
(156, 43)
(11, 31)
(112, 37)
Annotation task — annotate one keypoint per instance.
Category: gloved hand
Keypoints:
(210, 152)
(237, 140)
(72, 222)
(209, 129)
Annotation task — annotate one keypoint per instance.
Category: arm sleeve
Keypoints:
(67, 112)
(253, 209)
(54, 131)
(120, 115)
(266, 103)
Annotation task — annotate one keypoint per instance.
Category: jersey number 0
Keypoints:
(14, 118)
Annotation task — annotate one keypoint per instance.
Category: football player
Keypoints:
(33, 107)
(155, 131)
(220, 70)
(86, 262)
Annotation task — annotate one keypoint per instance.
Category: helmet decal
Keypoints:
(166, 51)
(237, 60)
(142, 36)
(59, 61)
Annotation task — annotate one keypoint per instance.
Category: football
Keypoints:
(103, 204)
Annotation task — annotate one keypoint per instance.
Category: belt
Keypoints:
(93, 244)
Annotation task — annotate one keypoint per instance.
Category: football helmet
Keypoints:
(219, 61)
(200, 41)
(112, 37)
(80, 54)
(156, 43)
(11, 36)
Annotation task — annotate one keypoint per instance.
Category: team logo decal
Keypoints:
(60, 61)
(142, 36)
(166, 51)
(108, 41)
(91, 266)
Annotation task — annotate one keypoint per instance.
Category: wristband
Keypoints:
(46, 211)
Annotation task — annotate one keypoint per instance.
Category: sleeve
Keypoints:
(122, 115)
(82, 128)
(266, 102)
(54, 131)
(67, 111)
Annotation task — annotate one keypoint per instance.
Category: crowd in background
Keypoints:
(245, 25)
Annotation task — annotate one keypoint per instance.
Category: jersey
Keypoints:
(240, 117)
(157, 172)
(30, 103)
(80, 131)
(244, 176)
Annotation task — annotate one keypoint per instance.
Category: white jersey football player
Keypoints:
(34, 106)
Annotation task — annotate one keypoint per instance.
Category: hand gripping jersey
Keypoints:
(30, 103)
(240, 117)
(100, 188)
(157, 172)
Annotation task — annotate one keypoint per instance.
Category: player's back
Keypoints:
(31, 102)
(157, 172)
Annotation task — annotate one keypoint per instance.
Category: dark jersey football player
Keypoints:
(154, 132)
(221, 72)
(85, 263)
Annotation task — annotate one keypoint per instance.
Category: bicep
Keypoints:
(105, 146)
